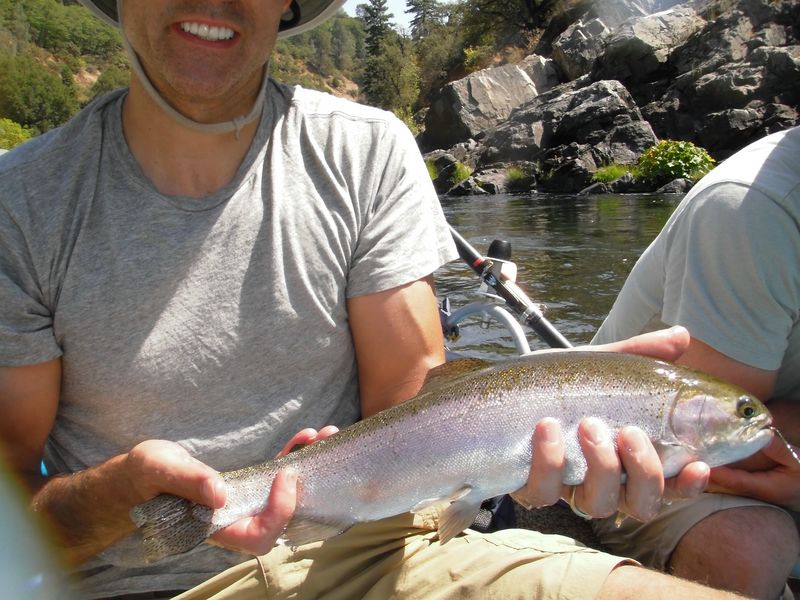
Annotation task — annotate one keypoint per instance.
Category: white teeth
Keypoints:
(203, 31)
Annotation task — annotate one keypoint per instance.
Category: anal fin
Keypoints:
(302, 531)
(457, 495)
(456, 518)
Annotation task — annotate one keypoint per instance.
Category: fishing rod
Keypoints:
(510, 292)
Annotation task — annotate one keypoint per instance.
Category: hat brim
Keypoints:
(312, 13)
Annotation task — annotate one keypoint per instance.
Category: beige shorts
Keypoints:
(401, 557)
(652, 543)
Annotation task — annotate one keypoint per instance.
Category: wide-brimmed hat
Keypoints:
(301, 16)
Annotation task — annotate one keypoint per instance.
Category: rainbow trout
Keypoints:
(467, 437)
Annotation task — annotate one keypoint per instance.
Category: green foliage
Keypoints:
(376, 16)
(333, 51)
(391, 76)
(610, 173)
(13, 134)
(64, 29)
(438, 55)
(433, 170)
(477, 58)
(112, 78)
(33, 95)
(407, 117)
(671, 159)
(460, 173)
(515, 174)
(427, 16)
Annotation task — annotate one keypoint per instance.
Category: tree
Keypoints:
(506, 17)
(438, 55)
(344, 44)
(376, 17)
(426, 15)
(32, 95)
(393, 76)
(115, 76)
(323, 46)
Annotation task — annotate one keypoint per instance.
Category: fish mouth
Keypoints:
(757, 426)
(756, 435)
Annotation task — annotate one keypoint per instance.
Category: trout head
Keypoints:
(718, 423)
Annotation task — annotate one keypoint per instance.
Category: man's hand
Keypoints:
(258, 534)
(158, 467)
(778, 483)
(601, 494)
(665, 344)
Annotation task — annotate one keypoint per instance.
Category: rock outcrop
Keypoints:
(485, 98)
(719, 73)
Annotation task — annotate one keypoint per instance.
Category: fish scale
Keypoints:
(467, 437)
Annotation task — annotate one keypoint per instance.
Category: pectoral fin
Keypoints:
(456, 518)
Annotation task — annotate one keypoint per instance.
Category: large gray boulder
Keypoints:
(641, 46)
(579, 45)
(601, 115)
(485, 98)
(575, 50)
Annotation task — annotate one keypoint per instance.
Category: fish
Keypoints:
(467, 436)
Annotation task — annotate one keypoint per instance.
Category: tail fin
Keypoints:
(170, 525)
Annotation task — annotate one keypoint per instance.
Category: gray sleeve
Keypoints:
(26, 322)
(404, 235)
(731, 274)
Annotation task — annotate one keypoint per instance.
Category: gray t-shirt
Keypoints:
(219, 322)
(727, 264)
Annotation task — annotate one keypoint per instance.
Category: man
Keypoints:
(191, 271)
(726, 267)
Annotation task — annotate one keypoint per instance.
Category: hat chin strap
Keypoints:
(234, 126)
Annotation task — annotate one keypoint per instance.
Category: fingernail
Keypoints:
(214, 491)
(635, 439)
(549, 431)
(596, 431)
(291, 476)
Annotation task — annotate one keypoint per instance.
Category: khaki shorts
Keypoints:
(652, 543)
(401, 557)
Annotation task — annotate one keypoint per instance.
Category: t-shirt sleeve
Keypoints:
(26, 323)
(404, 235)
(731, 274)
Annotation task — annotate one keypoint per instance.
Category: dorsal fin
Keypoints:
(449, 371)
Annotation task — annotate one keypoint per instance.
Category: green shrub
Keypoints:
(514, 174)
(112, 78)
(460, 173)
(13, 134)
(610, 173)
(33, 95)
(671, 159)
(407, 117)
(433, 171)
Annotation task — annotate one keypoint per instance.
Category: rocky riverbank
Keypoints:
(609, 82)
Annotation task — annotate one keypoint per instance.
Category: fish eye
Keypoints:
(745, 408)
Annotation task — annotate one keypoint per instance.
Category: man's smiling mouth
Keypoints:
(208, 33)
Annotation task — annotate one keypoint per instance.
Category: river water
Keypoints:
(573, 254)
